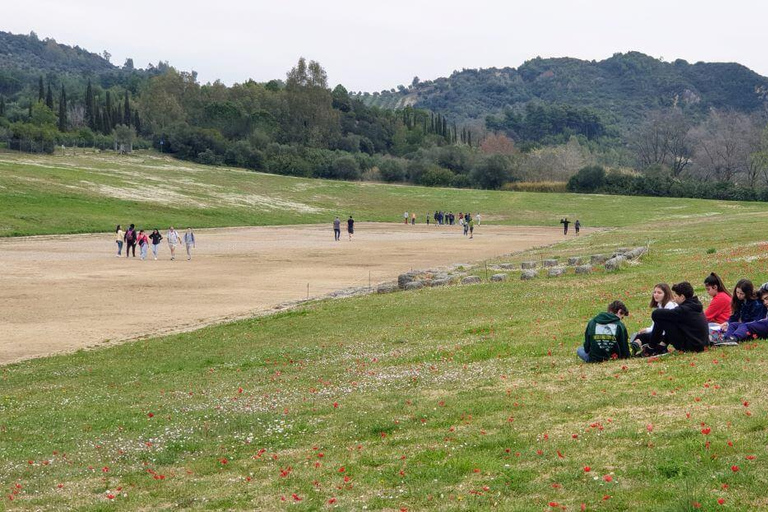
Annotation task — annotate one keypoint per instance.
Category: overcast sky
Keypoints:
(371, 46)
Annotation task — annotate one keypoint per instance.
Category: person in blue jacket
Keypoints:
(738, 332)
(745, 307)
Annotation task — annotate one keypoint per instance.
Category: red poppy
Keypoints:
(735, 468)
(706, 431)
(608, 478)
(587, 469)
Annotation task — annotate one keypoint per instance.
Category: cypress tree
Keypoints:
(126, 111)
(2, 106)
(107, 112)
(40, 90)
(469, 138)
(49, 98)
(89, 119)
(29, 115)
(445, 128)
(63, 110)
(96, 118)
(136, 121)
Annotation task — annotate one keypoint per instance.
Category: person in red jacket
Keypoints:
(719, 309)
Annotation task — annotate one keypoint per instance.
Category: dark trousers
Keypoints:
(671, 333)
(336, 234)
(131, 245)
(643, 338)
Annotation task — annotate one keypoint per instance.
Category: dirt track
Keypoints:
(61, 293)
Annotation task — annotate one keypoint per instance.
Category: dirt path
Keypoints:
(61, 293)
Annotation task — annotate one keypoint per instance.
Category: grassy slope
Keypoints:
(92, 193)
(458, 398)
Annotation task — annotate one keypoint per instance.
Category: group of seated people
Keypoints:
(680, 320)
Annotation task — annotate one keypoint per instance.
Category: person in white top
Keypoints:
(119, 235)
(173, 240)
(405, 217)
(661, 298)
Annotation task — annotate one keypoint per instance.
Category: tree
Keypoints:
(2, 106)
(40, 90)
(89, 106)
(346, 168)
(392, 170)
(311, 119)
(126, 110)
(41, 115)
(588, 179)
(491, 172)
(63, 110)
(722, 145)
(106, 55)
(128, 66)
(663, 139)
(496, 144)
(49, 98)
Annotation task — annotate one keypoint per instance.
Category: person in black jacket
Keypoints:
(684, 327)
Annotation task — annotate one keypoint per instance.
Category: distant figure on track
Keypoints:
(477, 218)
(471, 228)
(577, 225)
(130, 241)
(119, 234)
(336, 229)
(143, 242)
(155, 237)
(173, 240)
(350, 227)
(189, 242)
(405, 217)
(565, 223)
(427, 219)
(413, 219)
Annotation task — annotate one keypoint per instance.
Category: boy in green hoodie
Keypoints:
(606, 337)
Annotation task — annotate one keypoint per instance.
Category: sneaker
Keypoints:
(730, 341)
(635, 347)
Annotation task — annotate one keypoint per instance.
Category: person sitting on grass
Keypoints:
(684, 327)
(719, 309)
(660, 298)
(606, 336)
(745, 307)
(740, 331)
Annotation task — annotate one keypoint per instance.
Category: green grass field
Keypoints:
(460, 398)
(92, 193)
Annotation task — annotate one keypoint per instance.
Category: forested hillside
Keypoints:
(621, 89)
(697, 129)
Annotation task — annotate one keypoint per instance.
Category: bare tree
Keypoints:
(722, 146)
(663, 139)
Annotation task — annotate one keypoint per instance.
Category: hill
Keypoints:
(49, 194)
(622, 88)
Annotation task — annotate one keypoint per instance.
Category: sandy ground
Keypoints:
(62, 293)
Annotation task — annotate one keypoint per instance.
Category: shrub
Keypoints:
(392, 170)
(491, 172)
(345, 168)
(435, 176)
(588, 179)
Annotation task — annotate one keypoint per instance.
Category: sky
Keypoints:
(370, 46)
